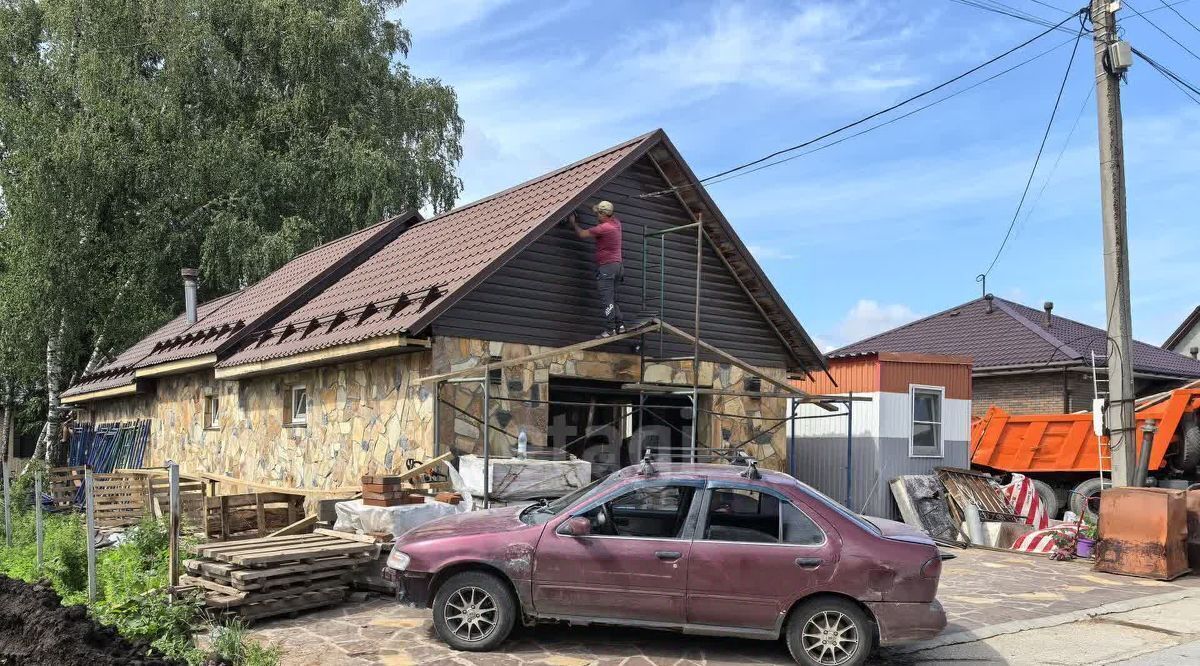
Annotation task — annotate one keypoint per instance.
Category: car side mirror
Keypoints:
(576, 526)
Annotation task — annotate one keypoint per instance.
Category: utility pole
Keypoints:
(1119, 412)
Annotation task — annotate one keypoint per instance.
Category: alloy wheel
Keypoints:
(471, 614)
(830, 638)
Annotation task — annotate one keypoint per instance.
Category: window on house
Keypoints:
(750, 516)
(926, 439)
(298, 405)
(212, 406)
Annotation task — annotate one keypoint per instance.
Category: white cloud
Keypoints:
(869, 317)
(433, 17)
(770, 252)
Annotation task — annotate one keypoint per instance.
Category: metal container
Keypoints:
(1193, 526)
(1143, 532)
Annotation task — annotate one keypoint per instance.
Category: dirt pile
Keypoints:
(36, 629)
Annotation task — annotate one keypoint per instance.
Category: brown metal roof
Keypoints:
(119, 371)
(1013, 336)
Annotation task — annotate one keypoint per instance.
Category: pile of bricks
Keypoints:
(388, 490)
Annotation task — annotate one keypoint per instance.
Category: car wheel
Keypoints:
(829, 631)
(474, 611)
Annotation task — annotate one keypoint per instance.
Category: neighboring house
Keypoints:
(310, 376)
(1026, 361)
(917, 417)
(1186, 339)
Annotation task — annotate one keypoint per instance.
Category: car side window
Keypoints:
(658, 512)
(750, 516)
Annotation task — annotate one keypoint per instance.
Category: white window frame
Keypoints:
(293, 418)
(941, 422)
(212, 407)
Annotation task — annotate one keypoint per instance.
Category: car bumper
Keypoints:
(412, 587)
(903, 622)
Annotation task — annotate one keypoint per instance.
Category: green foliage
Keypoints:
(131, 582)
(140, 136)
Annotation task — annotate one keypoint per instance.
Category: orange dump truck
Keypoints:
(1060, 452)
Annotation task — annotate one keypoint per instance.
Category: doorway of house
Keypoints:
(600, 422)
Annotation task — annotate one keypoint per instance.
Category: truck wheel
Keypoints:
(1049, 498)
(1190, 449)
(1085, 501)
(830, 631)
(474, 611)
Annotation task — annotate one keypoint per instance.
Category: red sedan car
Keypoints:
(701, 549)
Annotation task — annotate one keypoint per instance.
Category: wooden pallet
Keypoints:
(251, 515)
(277, 575)
(63, 483)
(120, 500)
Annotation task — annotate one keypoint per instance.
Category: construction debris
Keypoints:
(259, 578)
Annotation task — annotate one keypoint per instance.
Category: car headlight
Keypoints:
(398, 560)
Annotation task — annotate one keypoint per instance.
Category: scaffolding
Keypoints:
(648, 326)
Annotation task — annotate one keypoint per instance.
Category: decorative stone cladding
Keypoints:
(370, 416)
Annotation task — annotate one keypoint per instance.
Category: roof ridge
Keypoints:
(1184, 326)
(836, 352)
(1006, 307)
(545, 176)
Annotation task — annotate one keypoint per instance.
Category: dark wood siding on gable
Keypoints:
(547, 294)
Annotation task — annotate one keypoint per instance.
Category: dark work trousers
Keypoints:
(608, 277)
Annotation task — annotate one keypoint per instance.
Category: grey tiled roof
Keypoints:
(1014, 335)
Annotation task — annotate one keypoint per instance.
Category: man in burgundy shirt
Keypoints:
(609, 271)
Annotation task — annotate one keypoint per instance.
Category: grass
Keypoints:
(131, 585)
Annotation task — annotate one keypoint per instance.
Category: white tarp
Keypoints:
(525, 479)
(354, 516)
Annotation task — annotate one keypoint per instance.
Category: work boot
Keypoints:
(620, 328)
(606, 333)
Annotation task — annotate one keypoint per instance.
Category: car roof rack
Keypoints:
(751, 472)
(647, 468)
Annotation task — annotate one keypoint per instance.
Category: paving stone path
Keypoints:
(980, 588)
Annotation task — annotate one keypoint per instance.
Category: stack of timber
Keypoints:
(259, 578)
(252, 515)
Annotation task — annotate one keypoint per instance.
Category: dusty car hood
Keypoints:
(892, 529)
(464, 524)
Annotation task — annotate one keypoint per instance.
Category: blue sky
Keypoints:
(879, 229)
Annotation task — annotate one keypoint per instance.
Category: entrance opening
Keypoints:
(601, 423)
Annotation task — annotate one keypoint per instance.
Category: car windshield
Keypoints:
(541, 512)
(841, 510)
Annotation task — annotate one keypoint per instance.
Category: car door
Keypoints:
(633, 568)
(755, 552)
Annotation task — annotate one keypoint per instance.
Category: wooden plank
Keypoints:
(297, 554)
(208, 550)
(210, 585)
(347, 562)
(316, 492)
(425, 467)
(295, 527)
(361, 538)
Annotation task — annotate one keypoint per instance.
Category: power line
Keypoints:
(1192, 91)
(897, 118)
(869, 117)
(1176, 12)
(1037, 158)
(1164, 32)
(1050, 6)
(1062, 151)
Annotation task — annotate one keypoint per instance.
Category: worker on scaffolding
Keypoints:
(609, 271)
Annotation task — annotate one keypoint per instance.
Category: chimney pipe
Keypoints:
(1048, 306)
(988, 298)
(1195, 352)
(190, 278)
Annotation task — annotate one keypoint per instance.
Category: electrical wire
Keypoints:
(1062, 151)
(1176, 12)
(1037, 158)
(1004, 10)
(864, 119)
(1164, 32)
(1191, 91)
(897, 118)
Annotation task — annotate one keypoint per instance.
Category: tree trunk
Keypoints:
(7, 448)
(49, 443)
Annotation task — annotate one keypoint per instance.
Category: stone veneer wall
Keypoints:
(516, 407)
(369, 416)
